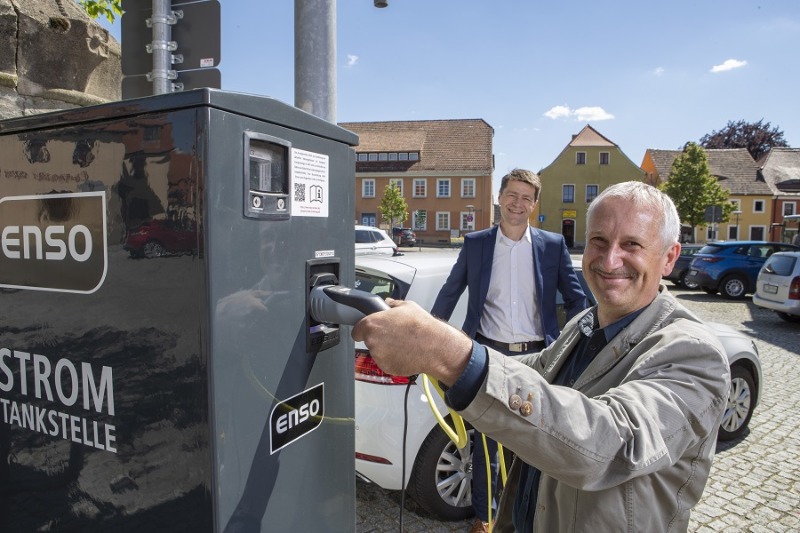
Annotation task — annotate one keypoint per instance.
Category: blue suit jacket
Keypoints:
(552, 272)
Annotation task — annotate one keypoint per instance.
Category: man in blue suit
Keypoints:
(513, 272)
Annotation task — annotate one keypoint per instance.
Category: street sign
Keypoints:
(197, 35)
(139, 86)
(541, 218)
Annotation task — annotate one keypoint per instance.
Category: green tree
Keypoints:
(393, 206)
(693, 189)
(757, 137)
(108, 8)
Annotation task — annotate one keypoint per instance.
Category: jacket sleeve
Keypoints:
(453, 287)
(569, 286)
(626, 424)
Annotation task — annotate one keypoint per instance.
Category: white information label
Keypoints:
(310, 184)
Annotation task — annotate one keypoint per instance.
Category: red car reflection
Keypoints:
(162, 237)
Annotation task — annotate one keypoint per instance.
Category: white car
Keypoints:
(435, 472)
(778, 285)
(374, 241)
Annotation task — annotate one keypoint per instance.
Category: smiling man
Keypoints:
(614, 425)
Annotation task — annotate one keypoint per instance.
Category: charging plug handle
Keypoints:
(335, 304)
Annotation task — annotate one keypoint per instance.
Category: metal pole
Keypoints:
(315, 57)
(162, 35)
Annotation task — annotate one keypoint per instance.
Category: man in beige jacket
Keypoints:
(614, 425)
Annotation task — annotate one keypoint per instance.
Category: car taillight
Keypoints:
(794, 289)
(367, 370)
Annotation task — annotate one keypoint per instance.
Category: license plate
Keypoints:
(772, 289)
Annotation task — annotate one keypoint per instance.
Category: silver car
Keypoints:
(778, 285)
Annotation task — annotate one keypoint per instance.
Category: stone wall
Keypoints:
(53, 56)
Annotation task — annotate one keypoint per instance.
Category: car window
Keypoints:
(363, 236)
(688, 251)
(782, 265)
(383, 286)
(710, 249)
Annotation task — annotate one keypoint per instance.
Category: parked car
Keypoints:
(436, 474)
(374, 241)
(162, 237)
(778, 285)
(678, 274)
(731, 267)
(404, 236)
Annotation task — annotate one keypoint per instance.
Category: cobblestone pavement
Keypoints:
(755, 481)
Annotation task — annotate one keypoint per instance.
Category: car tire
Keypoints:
(441, 480)
(682, 282)
(154, 249)
(733, 287)
(787, 317)
(741, 401)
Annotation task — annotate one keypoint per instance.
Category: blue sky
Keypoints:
(644, 74)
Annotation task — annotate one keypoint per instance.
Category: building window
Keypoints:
(591, 192)
(368, 188)
(605, 157)
(467, 221)
(758, 206)
(403, 156)
(398, 182)
(788, 209)
(442, 221)
(420, 218)
(413, 156)
(420, 188)
(362, 157)
(393, 156)
(733, 233)
(580, 158)
(443, 188)
(468, 188)
(568, 194)
(383, 157)
(373, 157)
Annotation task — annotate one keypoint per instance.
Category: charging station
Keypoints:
(159, 369)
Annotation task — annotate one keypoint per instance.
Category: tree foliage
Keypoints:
(107, 8)
(393, 206)
(692, 188)
(757, 137)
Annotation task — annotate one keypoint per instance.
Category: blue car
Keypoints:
(731, 267)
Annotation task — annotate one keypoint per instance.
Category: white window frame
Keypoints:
(365, 184)
(580, 160)
(763, 232)
(424, 225)
(440, 182)
(563, 190)
(399, 183)
(763, 206)
(424, 183)
(792, 208)
(608, 158)
(443, 221)
(466, 183)
(596, 194)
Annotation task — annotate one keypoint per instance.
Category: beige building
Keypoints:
(736, 172)
(586, 166)
(442, 167)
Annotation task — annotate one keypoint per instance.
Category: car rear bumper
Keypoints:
(791, 307)
(701, 278)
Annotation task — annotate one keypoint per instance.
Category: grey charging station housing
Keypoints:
(158, 367)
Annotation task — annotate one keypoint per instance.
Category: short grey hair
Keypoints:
(643, 195)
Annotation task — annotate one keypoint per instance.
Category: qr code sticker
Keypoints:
(299, 192)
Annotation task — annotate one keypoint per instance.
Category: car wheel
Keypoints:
(733, 287)
(441, 481)
(787, 317)
(682, 282)
(709, 290)
(154, 249)
(741, 401)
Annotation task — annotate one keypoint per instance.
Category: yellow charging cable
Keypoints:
(458, 434)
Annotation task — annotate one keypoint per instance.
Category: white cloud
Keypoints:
(558, 112)
(658, 71)
(582, 114)
(729, 64)
(351, 60)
